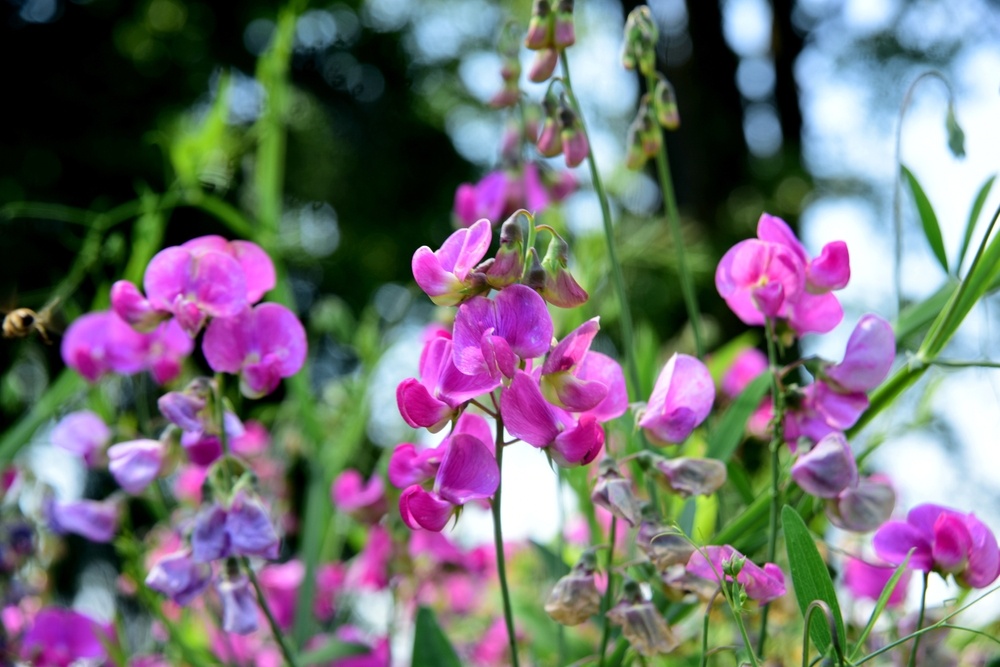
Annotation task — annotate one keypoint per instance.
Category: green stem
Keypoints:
(776, 441)
(609, 590)
(617, 278)
(705, 626)
(508, 613)
(920, 621)
(738, 617)
(674, 220)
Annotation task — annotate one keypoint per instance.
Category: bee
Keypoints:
(22, 322)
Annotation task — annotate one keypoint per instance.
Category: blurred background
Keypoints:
(790, 107)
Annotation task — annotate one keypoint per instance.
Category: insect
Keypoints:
(22, 322)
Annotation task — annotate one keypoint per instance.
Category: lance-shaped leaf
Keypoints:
(928, 219)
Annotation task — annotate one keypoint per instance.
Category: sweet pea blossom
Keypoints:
(97, 520)
(747, 367)
(239, 606)
(409, 465)
(244, 529)
(867, 581)
(468, 471)
(498, 194)
(136, 463)
(61, 637)
(365, 500)
(864, 506)
(943, 540)
(561, 384)
(262, 344)
(446, 275)
(681, 400)
(826, 469)
(257, 267)
(179, 577)
(82, 433)
(761, 584)
(281, 584)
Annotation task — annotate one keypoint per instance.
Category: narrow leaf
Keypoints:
(330, 651)
(883, 600)
(430, 647)
(970, 226)
(728, 434)
(928, 219)
(810, 578)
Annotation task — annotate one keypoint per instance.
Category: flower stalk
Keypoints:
(508, 614)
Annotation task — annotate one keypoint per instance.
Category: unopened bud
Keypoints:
(665, 103)
(733, 566)
(575, 597)
(543, 65)
(550, 140)
(642, 624)
(574, 140)
(540, 27)
(639, 47)
(663, 546)
(560, 288)
(614, 493)
(565, 33)
(692, 476)
(507, 266)
(644, 138)
(864, 507)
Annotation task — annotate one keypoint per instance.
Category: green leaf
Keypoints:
(330, 651)
(970, 226)
(810, 578)
(555, 566)
(932, 230)
(430, 647)
(883, 600)
(728, 434)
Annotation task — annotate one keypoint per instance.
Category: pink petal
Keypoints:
(525, 413)
(831, 270)
(602, 368)
(869, 356)
(424, 509)
(570, 350)
(951, 544)
(468, 470)
(895, 539)
(681, 399)
(816, 313)
(580, 444)
(228, 341)
(774, 229)
(258, 269)
(419, 409)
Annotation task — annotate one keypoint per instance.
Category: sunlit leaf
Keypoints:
(430, 647)
(883, 600)
(928, 219)
(970, 226)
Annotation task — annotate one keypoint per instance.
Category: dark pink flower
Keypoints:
(350, 493)
(263, 345)
(761, 584)
(828, 272)
(868, 358)
(867, 581)
(258, 269)
(749, 364)
(281, 584)
(409, 465)
(82, 433)
(681, 400)
(60, 637)
(943, 540)
(446, 275)
(370, 568)
(560, 382)
(759, 280)
(500, 193)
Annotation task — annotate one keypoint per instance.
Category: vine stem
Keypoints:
(776, 440)
(920, 621)
(606, 600)
(508, 613)
(674, 221)
(617, 278)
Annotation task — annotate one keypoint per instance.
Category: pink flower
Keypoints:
(258, 269)
(826, 469)
(761, 584)
(500, 193)
(409, 465)
(943, 540)
(263, 345)
(93, 519)
(60, 637)
(560, 382)
(82, 433)
(350, 493)
(866, 581)
(681, 400)
(446, 275)
(281, 585)
(136, 463)
(749, 364)
(868, 358)
(370, 568)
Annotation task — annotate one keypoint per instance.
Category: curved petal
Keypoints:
(895, 539)
(136, 463)
(774, 229)
(984, 556)
(467, 471)
(258, 269)
(951, 545)
(280, 336)
(424, 509)
(419, 409)
(228, 341)
(409, 466)
(525, 413)
(607, 371)
(831, 270)
(816, 313)
(869, 356)
(580, 444)
(250, 530)
(523, 321)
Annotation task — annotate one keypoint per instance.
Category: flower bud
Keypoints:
(691, 476)
(614, 493)
(508, 265)
(565, 34)
(665, 104)
(644, 138)
(543, 65)
(575, 146)
(639, 47)
(827, 469)
(575, 597)
(540, 26)
(560, 288)
(663, 545)
(642, 624)
(136, 463)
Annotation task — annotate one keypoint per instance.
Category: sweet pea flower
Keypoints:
(569, 440)
(491, 336)
(83, 433)
(761, 584)
(262, 344)
(749, 364)
(681, 400)
(863, 507)
(136, 463)
(409, 465)
(370, 568)
(239, 606)
(61, 637)
(500, 193)
(560, 383)
(468, 471)
(828, 272)
(97, 520)
(281, 584)
(943, 540)
(435, 399)
(827, 469)
(867, 581)
(642, 623)
(244, 529)
(759, 280)
(257, 267)
(350, 493)
(446, 275)
(868, 358)
(179, 577)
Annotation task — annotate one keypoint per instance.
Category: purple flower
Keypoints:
(434, 400)
(492, 336)
(244, 529)
(500, 193)
(136, 463)
(943, 540)
(188, 409)
(863, 507)
(82, 433)
(761, 584)
(179, 577)
(868, 358)
(239, 606)
(826, 469)
(866, 581)
(408, 465)
(468, 471)
(446, 275)
(96, 520)
(681, 400)
(263, 345)
(60, 637)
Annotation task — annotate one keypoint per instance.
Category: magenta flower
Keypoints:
(681, 400)
(468, 471)
(828, 272)
(281, 584)
(826, 469)
(570, 440)
(867, 581)
(408, 465)
(83, 433)
(493, 335)
(244, 529)
(435, 399)
(258, 269)
(759, 280)
(166, 347)
(749, 364)
(263, 345)
(370, 568)
(60, 637)
(761, 584)
(179, 577)
(500, 193)
(560, 382)
(446, 275)
(239, 606)
(350, 493)
(943, 540)
(868, 358)
(97, 520)
(136, 463)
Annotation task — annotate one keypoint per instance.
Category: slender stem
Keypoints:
(674, 220)
(617, 278)
(608, 591)
(560, 551)
(508, 614)
(776, 441)
(920, 621)
(738, 617)
(704, 627)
